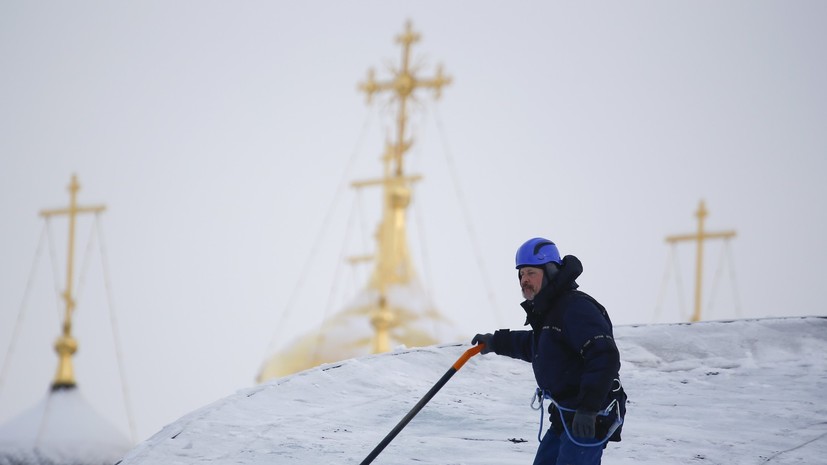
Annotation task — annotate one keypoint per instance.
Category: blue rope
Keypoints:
(542, 394)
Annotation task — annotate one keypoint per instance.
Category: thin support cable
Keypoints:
(663, 285)
(318, 237)
(18, 323)
(418, 126)
(427, 276)
(84, 266)
(336, 273)
(735, 296)
(419, 219)
(363, 229)
(417, 159)
(113, 321)
(679, 287)
(715, 280)
(467, 217)
(55, 272)
(418, 211)
(44, 420)
(357, 276)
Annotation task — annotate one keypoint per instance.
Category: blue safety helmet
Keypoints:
(537, 252)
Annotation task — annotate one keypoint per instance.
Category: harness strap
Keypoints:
(542, 394)
(538, 394)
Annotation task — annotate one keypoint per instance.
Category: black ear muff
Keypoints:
(551, 269)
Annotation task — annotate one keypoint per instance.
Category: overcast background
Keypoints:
(222, 137)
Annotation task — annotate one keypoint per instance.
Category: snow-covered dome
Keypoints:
(349, 333)
(62, 429)
(746, 391)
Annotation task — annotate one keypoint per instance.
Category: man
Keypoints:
(573, 353)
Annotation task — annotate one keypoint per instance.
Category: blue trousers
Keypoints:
(559, 450)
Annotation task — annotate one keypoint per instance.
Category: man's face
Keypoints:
(531, 280)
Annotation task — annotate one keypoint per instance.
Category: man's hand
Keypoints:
(583, 424)
(483, 339)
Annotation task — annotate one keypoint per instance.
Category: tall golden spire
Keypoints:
(700, 236)
(393, 309)
(66, 345)
(393, 264)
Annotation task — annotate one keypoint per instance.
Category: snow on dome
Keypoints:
(747, 391)
(349, 333)
(62, 429)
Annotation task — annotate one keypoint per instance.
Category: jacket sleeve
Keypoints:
(590, 334)
(514, 344)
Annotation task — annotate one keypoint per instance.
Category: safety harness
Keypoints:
(614, 406)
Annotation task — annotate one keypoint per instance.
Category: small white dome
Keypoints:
(62, 428)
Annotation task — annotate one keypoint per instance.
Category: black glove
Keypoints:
(483, 339)
(583, 424)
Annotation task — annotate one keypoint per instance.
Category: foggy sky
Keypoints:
(222, 137)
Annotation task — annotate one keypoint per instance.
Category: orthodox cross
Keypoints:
(66, 345)
(403, 85)
(700, 236)
(393, 265)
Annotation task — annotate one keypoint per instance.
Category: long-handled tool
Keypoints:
(448, 374)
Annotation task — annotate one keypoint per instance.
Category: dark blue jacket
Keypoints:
(570, 345)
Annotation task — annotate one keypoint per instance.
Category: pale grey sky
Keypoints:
(219, 134)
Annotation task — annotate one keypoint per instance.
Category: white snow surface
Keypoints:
(739, 392)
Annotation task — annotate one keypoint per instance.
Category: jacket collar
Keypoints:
(564, 280)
